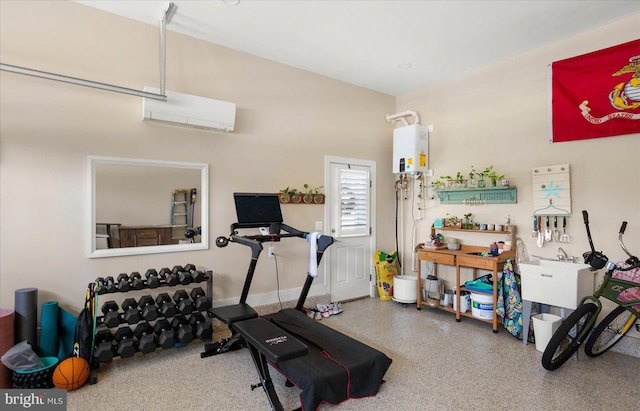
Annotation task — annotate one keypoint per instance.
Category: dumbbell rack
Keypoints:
(160, 287)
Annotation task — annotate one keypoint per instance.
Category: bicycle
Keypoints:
(579, 325)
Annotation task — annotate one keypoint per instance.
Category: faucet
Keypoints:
(564, 256)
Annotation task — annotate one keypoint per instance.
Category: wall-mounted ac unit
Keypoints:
(189, 110)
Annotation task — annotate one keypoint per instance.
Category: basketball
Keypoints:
(71, 373)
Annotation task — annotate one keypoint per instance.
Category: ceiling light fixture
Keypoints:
(231, 2)
(404, 66)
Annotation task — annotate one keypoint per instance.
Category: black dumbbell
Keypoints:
(137, 283)
(200, 300)
(196, 276)
(111, 314)
(100, 287)
(146, 339)
(148, 308)
(167, 307)
(168, 277)
(184, 277)
(110, 285)
(152, 278)
(122, 282)
(131, 312)
(166, 335)
(201, 326)
(183, 303)
(184, 333)
(104, 346)
(126, 346)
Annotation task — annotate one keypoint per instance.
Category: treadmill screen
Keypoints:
(257, 209)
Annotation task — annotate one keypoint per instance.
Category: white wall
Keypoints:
(287, 121)
(498, 116)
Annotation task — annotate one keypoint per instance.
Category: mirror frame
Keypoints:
(92, 161)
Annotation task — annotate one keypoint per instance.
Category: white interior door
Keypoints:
(351, 218)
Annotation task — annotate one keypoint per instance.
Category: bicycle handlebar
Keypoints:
(623, 227)
(585, 216)
(598, 260)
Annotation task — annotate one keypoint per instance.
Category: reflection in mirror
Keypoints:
(147, 206)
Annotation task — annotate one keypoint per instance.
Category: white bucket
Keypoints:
(482, 306)
(465, 301)
(544, 326)
(405, 288)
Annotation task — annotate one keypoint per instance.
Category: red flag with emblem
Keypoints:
(596, 94)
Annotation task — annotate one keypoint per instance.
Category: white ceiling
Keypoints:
(365, 42)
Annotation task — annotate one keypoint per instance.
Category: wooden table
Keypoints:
(467, 256)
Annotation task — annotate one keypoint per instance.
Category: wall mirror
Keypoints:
(139, 206)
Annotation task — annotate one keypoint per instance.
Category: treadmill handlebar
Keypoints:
(255, 241)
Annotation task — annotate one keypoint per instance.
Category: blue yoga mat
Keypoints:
(66, 333)
(49, 329)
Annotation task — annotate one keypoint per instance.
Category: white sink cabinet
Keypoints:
(557, 283)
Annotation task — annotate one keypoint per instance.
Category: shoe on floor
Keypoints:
(336, 308)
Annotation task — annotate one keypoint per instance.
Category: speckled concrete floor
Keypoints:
(438, 364)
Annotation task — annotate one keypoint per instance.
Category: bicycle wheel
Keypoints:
(567, 339)
(610, 330)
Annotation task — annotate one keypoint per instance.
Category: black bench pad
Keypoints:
(275, 343)
(233, 313)
(337, 366)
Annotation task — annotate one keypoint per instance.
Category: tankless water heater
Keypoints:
(411, 149)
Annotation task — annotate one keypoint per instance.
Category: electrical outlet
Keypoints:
(271, 252)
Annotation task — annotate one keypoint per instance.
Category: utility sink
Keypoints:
(557, 283)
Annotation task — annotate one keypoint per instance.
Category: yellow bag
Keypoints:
(386, 268)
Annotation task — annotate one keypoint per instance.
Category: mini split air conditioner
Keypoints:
(189, 110)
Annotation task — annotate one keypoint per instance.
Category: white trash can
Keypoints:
(544, 326)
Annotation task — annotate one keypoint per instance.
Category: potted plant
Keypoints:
(455, 182)
(468, 224)
(308, 195)
(472, 177)
(459, 180)
(445, 181)
(438, 184)
(493, 176)
(318, 197)
(481, 175)
(296, 196)
(285, 195)
(451, 221)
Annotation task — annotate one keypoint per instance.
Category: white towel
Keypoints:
(312, 238)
